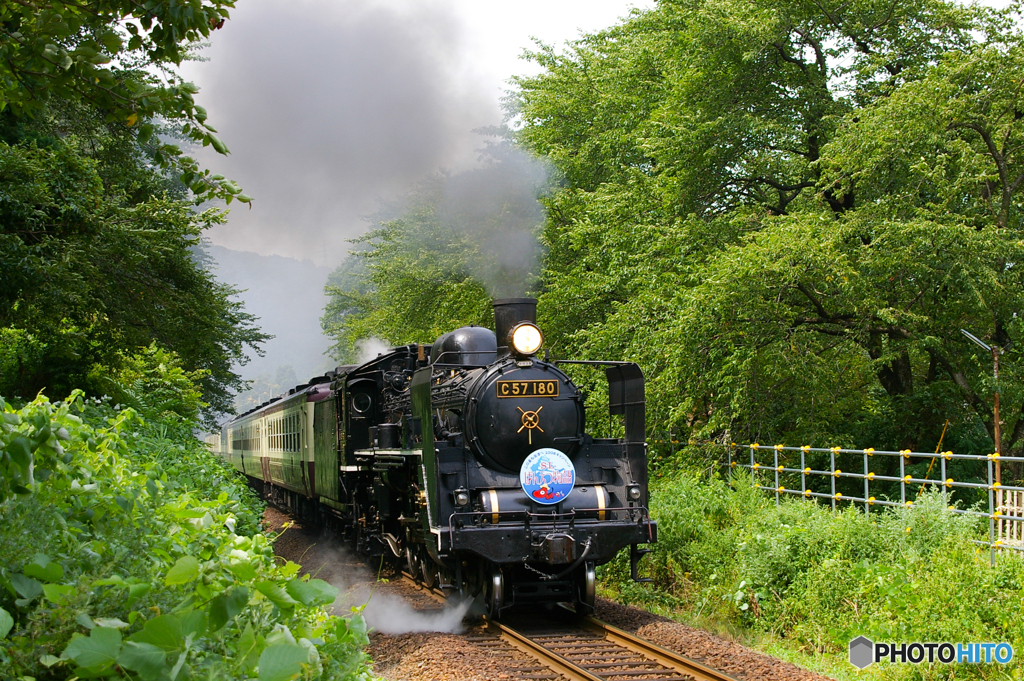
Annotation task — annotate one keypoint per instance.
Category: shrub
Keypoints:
(132, 552)
(817, 578)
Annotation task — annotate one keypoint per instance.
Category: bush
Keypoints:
(728, 557)
(132, 552)
(154, 383)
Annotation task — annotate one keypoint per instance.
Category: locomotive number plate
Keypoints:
(542, 388)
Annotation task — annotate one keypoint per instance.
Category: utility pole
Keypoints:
(996, 351)
(997, 430)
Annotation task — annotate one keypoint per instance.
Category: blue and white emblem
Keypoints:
(547, 476)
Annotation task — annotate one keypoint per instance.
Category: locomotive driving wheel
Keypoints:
(585, 598)
(494, 593)
(410, 562)
(428, 571)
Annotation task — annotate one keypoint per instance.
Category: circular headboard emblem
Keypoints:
(547, 476)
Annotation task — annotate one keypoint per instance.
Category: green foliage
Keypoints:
(785, 212)
(728, 557)
(116, 57)
(131, 551)
(96, 270)
(153, 383)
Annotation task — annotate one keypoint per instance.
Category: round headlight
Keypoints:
(526, 339)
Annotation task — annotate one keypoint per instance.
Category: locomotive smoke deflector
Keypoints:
(510, 313)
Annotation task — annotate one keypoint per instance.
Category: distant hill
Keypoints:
(288, 297)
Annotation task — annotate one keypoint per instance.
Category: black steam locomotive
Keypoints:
(467, 460)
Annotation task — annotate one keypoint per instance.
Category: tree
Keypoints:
(409, 281)
(786, 211)
(90, 273)
(100, 254)
(117, 57)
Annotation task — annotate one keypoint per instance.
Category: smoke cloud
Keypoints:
(328, 108)
(496, 206)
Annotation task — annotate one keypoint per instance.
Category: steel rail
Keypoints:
(560, 664)
(668, 658)
(548, 657)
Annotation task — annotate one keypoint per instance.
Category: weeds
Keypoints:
(811, 579)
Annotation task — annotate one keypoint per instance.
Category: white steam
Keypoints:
(390, 614)
(368, 348)
(384, 611)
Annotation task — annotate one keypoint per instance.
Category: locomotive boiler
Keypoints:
(467, 460)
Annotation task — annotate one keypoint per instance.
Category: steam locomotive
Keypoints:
(466, 460)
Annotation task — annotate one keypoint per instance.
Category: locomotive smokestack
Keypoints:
(507, 313)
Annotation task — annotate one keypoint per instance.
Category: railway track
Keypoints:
(585, 649)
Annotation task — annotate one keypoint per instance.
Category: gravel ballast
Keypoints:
(411, 651)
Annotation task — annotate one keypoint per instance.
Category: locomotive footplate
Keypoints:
(548, 545)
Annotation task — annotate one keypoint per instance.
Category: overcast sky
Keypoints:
(329, 106)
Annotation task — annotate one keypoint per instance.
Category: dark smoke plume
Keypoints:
(496, 207)
(328, 108)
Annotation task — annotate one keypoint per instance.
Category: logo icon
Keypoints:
(547, 476)
(531, 420)
(862, 652)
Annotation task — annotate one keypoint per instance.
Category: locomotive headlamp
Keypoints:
(461, 497)
(633, 492)
(526, 339)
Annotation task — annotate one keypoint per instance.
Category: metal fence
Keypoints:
(1005, 502)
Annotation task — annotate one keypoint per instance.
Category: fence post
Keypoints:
(903, 476)
(776, 476)
(803, 474)
(867, 504)
(991, 517)
(729, 450)
(945, 494)
(833, 476)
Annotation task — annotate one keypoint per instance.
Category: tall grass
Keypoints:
(811, 579)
